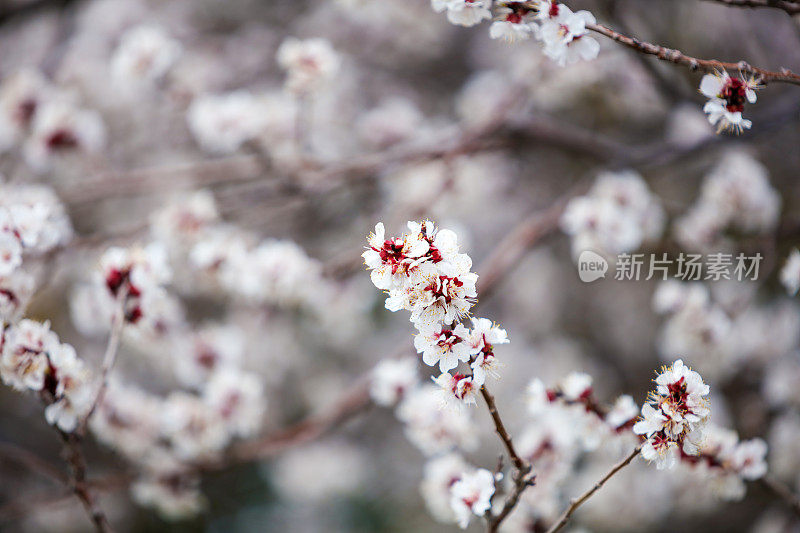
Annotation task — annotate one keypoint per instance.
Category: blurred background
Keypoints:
(418, 119)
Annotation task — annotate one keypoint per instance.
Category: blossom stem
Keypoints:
(110, 356)
(705, 65)
(522, 474)
(78, 483)
(577, 502)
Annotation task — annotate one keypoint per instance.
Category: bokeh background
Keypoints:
(486, 138)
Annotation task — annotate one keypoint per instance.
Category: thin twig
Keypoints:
(779, 489)
(577, 502)
(792, 8)
(110, 356)
(78, 483)
(704, 65)
(522, 468)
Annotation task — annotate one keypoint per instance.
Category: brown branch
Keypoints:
(779, 489)
(522, 468)
(577, 502)
(704, 65)
(78, 483)
(792, 8)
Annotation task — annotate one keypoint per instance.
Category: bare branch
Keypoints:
(704, 65)
(522, 468)
(792, 8)
(110, 356)
(577, 502)
(78, 483)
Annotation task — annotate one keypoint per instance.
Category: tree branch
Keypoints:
(792, 8)
(522, 468)
(692, 63)
(577, 502)
(110, 356)
(78, 483)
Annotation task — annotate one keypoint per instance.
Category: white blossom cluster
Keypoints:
(562, 32)
(696, 327)
(618, 215)
(674, 417)
(45, 121)
(309, 64)
(726, 462)
(270, 120)
(144, 56)
(33, 222)
(220, 399)
(33, 358)
(735, 195)
(424, 273)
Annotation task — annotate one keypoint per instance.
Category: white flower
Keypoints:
(24, 361)
(661, 450)
(391, 260)
(16, 291)
(10, 253)
(675, 415)
(237, 398)
(442, 297)
(749, 459)
(309, 63)
(183, 220)
(206, 351)
(392, 379)
(576, 386)
(145, 54)
(439, 476)
(468, 12)
(485, 334)
(618, 215)
(193, 430)
(622, 412)
(456, 389)
(471, 495)
(653, 421)
(727, 97)
(221, 124)
(566, 38)
(513, 23)
(166, 485)
(443, 345)
(74, 392)
(59, 127)
(790, 273)
(485, 364)
(434, 430)
(127, 420)
(21, 95)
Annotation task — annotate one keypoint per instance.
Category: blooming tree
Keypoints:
(184, 193)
